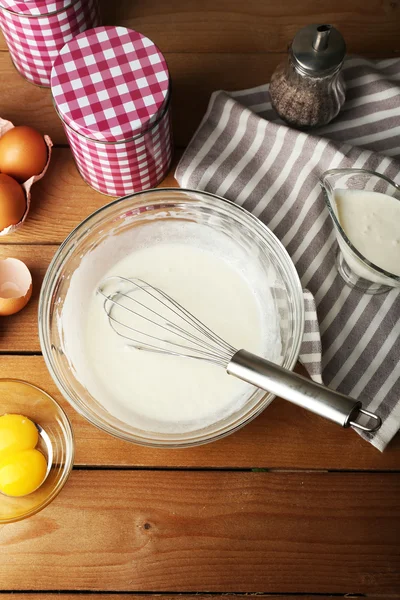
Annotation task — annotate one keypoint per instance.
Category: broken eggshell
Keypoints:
(15, 286)
(4, 127)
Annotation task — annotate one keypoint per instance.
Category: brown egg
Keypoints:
(23, 153)
(12, 201)
(15, 286)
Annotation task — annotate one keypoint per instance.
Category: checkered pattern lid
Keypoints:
(35, 7)
(110, 83)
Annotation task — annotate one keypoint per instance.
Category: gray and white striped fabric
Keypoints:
(243, 152)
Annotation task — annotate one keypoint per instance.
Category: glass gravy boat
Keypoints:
(354, 268)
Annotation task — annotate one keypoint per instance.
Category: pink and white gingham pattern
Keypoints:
(126, 167)
(35, 7)
(34, 37)
(111, 88)
(110, 83)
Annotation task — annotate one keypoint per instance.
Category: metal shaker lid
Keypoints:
(318, 49)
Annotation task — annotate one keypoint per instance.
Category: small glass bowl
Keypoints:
(20, 397)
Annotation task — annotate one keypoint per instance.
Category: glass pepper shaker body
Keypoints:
(307, 89)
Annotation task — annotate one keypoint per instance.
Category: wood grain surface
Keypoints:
(282, 437)
(322, 517)
(61, 200)
(254, 26)
(127, 596)
(214, 532)
(215, 26)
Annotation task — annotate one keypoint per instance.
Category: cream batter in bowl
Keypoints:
(212, 256)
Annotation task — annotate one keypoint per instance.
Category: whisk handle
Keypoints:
(299, 390)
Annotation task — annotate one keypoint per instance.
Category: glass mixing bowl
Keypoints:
(261, 247)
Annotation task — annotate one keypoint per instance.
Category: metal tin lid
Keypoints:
(110, 83)
(318, 49)
(35, 7)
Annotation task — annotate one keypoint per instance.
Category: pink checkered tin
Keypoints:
(111, 88)
(36, 30)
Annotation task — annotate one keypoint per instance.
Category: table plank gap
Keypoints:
(231, 469)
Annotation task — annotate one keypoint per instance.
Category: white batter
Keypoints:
(371, 221)
(162, 393)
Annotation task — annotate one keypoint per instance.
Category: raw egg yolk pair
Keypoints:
(23, 468)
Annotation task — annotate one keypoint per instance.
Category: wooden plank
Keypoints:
(61, 200)
(90, 596)
(282, 437)
(195, 76)
(27, 104)
(216, 532)
(232, 26)
(93, 596)
(164, 596)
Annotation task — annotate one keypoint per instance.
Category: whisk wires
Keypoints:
(149, 319)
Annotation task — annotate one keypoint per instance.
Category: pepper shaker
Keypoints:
(308, 90)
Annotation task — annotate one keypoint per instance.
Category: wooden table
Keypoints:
(290, 504)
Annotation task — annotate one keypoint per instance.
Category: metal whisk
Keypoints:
(150, 320)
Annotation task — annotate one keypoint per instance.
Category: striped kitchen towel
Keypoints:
(243, 152)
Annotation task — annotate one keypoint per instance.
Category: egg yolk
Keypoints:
(17, 433)
(22, 473)
(22, 467)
